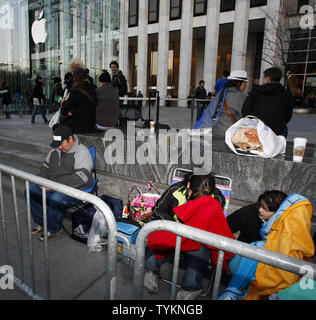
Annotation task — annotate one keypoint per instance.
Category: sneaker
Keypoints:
(151, 282)
(50, 235)
(187, 295)
(37, 230)
(33, 122)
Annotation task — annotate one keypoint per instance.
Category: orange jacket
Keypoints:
(289, 235)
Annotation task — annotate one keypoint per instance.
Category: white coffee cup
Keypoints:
(299, 149)
(152, 126)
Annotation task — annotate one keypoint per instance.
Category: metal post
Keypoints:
(28, 205)
(158, 110)
(218, 274)
(17, 223)
(175, 269)
(4, 230)
(192, 112)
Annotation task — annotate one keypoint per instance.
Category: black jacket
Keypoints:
(82, 105)
(6, 97)
(272, 104)
(163, 209)
(38, 92)
(119, 82)
(200, 93)
(247, 221)
(58, 91)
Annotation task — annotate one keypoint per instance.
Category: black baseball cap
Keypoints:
(61, 133)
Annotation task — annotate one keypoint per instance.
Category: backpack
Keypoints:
(213, 111)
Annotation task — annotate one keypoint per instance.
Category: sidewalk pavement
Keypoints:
(21, 129)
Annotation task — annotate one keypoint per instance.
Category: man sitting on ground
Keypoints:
(70, 163)
(108, 103)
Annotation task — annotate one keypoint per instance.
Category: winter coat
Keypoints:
(246, 220)
(175, 196)
(272, 104)
(38, 93)
(200, 93)
(289, 235)
(119, 82)
(6, 97)
(108, 107)
(235, 100)
(82, 105)
(73, 168)
(204, 213)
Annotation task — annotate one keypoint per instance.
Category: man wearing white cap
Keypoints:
(69, 163)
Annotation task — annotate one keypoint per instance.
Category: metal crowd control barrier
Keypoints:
(75, 193)
(274, 259)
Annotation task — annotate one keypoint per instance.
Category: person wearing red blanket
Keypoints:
(201, 211)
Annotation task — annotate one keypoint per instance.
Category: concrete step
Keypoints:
(32, 148)
(24, 160)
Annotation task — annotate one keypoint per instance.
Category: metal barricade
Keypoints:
(274, 259)
(110, 289)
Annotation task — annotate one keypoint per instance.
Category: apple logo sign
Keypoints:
(38, 30)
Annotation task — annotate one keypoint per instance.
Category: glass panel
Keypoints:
(311, 68)
(133, 13)
(257, 3)
(312, 56)
(299, 33)
(227, 5)
(298, 45)
(175, 9)
(297, 56)
(153, 11)
(297, 68)
(200, 7)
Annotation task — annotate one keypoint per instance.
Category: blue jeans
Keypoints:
(200, 111)
(56, 207)
(42, 111)
(196, 262)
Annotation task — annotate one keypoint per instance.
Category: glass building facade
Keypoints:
(41, 37)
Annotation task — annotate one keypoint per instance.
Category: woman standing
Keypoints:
(37, 98)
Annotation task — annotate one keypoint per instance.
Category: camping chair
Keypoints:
(224, 184)
(93, 188)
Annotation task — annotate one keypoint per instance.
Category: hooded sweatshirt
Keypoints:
(272, 104)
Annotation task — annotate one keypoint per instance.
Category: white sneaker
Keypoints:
(151, 282)
(187, 295)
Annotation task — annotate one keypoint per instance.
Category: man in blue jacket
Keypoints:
(69, 163)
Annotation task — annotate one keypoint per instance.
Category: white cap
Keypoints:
(240, 75)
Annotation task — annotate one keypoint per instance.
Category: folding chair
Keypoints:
(93, 188)
(224, 184)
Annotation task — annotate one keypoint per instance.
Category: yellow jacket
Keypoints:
(289, 235)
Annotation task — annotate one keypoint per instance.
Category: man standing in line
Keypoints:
(200, 94)
(271, 102)
(118, 79)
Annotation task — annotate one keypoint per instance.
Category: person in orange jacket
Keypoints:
(201, 211)
(287, 231)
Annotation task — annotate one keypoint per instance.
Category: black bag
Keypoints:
(82, 218)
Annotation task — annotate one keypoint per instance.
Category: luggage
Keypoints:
(82, 218)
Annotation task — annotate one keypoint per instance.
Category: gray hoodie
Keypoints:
(72, 168)
(235, 100)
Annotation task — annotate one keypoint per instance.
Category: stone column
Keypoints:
(185, 51)
(274, 16)
(163, 50)
(123, 55)
(211, 43)
(142, 47)
(240, 36)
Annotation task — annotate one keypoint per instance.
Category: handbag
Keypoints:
(140, 206)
